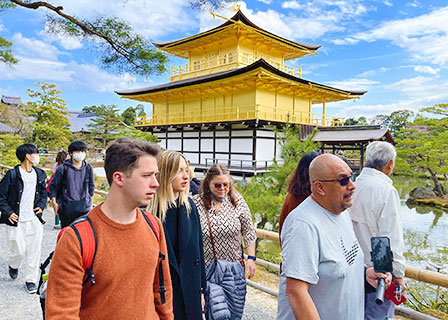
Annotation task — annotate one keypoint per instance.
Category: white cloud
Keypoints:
(353, 84)
(151, 18)
(291, 5)
(425, 36)
(370, 73)
(31, 47)
(413, 4)
(409, 93)
(426, 69)
(265, 1)
(388, 3)
(313, 20)
(68, 43)
(36, 69)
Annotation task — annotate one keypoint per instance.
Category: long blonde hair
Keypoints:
(169, 164)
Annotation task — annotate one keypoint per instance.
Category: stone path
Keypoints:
(17, 304)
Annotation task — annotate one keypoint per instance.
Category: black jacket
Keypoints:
(11, 194)
(187, 274)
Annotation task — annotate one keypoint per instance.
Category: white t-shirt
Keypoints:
(27, 199)
(320, 248)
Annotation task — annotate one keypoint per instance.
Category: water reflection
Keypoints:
(425, 227)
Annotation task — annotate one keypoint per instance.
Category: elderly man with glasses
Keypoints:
(376, 212)
(323, 265)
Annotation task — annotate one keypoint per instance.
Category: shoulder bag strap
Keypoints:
(211, 235)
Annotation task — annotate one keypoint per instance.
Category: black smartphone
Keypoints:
(382, 262)
(381, 254)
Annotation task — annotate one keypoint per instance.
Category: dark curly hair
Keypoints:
(300, 185)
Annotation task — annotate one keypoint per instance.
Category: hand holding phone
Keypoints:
(382, 262)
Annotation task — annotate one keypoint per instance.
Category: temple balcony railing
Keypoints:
(240, 113)
(225, 62)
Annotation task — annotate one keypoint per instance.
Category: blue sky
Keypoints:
(396, 50)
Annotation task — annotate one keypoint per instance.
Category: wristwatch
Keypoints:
(252, 258)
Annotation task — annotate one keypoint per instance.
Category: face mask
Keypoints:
(219, 199)
(79, 156)
(36, 160)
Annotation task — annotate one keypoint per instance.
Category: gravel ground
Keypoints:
(17, 304)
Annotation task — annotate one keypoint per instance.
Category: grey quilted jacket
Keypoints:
(226, 290)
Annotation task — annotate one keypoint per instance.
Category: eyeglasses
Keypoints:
(221, 185)
(343, 181)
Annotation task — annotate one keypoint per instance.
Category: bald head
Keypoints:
(328, 187)
(322, 167)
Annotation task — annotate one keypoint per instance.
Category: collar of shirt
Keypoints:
(375, 173)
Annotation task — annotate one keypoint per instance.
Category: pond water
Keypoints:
(425, 230)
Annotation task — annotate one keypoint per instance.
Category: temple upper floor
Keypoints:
(234, 44)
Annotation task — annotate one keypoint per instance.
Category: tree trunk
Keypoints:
(437, 186)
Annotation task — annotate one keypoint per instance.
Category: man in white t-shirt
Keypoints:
(23, 197)
(323, 265)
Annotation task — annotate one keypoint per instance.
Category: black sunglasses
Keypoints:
(219, 185)
(343, 181)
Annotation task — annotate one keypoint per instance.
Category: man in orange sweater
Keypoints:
(126, 261)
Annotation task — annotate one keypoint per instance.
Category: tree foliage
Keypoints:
(422, 146)
(355, 122)
(108, 125)
(48, 111)
(6, 55)
(118, 46)
(395, 121)
(130, 113)
(16, 117)
(8, 146)
(265, 193)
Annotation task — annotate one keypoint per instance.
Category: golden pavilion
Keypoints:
(224, 104)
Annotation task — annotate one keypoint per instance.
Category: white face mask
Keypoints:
(36, 160)
(79, 156)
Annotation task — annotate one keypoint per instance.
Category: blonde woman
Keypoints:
(183, 235)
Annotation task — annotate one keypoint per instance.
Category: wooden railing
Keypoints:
(239, 113)
(226, 61)
(421, 275)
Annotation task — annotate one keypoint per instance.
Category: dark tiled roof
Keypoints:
(352, 134)
(227, 74)
(239, 16)
(79, 121)
(11, 100)
(4, 128)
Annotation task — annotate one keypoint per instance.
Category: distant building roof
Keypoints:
(352, 134)
(11, 100)
(79, 121)
(4, 128)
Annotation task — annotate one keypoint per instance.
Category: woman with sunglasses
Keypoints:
(299, 187)
(225, 219)
(183, 235)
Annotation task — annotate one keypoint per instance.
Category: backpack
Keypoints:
(86, 235)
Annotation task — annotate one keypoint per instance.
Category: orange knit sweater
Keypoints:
(126, 274)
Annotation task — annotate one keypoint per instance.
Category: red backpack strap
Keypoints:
(154, 225)
(87, 240)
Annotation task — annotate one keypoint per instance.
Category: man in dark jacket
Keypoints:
(72, 186)
(23, 197)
